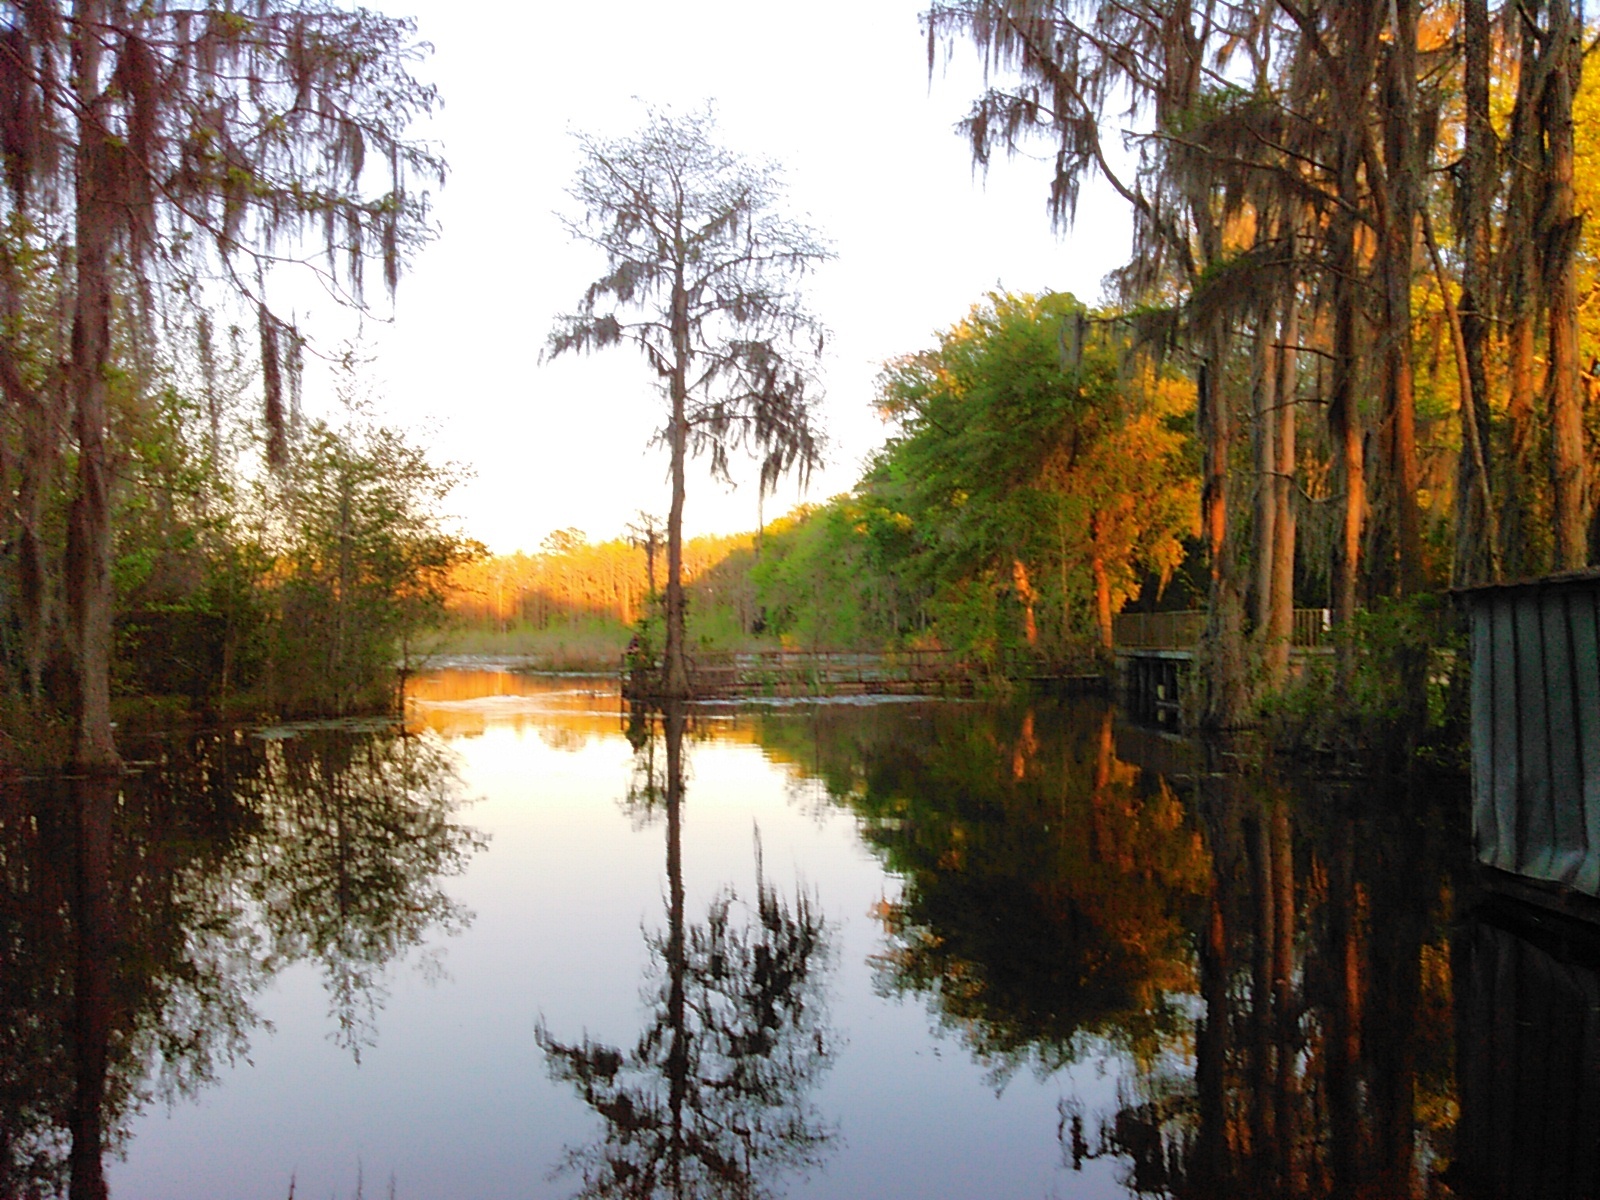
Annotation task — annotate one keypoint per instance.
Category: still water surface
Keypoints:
(532, 948)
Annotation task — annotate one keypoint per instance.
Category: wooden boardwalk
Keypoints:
(1154, 652)
(724, 676)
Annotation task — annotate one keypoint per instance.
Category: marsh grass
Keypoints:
(583, 644)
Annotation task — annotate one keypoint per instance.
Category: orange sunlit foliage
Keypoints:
(573, 578)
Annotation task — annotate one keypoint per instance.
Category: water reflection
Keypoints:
(139, 917)
(1049, 887)
(1529, 1016)
(1270, 969)
(1234, 987)
(713, 1098)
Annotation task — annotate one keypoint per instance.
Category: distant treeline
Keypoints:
(572, 579)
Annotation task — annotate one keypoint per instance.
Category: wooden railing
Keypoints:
(1182, 630)
(813, 672)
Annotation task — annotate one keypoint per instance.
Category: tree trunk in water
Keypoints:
(96, 797)
(1263, 1112)
(1283, 998)
(89, 519)
(1568, 484)
(673, 719)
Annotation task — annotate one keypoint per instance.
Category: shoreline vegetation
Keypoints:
(1342, 370)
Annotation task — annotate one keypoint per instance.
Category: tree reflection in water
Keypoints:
(1049, 888)
(711, 1101)
(139, 917)
(1323, 1063)
(1273, 968)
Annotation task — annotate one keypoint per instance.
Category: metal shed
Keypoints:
(1536, 728)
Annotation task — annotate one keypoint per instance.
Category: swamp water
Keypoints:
(531, 948)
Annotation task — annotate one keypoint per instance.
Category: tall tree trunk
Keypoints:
(1524, 509)
(89, 520)
(1344, 413)
(1399, 248)
(675, 685)
(1280, 617)
(1103, 616)
(1475, 548)
(1221, 658)
(1264, 441)
(1568, 483)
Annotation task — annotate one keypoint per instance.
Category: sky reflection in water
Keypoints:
(913, 950)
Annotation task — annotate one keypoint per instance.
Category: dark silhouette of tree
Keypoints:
(701, 267)
(711, 1100)
(140, 915)
(168, 143)
(356, 837)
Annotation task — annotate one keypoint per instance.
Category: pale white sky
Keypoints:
(836, 90)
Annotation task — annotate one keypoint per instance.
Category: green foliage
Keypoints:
(1038, 473)
(362, 564)
(832, 576)
(305, 588)
(1397, 681)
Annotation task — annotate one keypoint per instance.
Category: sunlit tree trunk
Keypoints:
(1221, 661)
(1025, 593)
(1104, 621)
(1569, 485)
(1264, 436)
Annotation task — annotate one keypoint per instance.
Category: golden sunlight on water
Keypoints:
(458, 703)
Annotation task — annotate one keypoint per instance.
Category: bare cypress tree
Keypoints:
(164, 141)
(701, 268)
